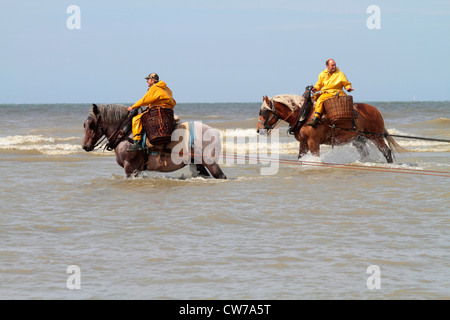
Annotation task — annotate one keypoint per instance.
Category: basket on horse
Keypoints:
(339, 108)
(158, 123)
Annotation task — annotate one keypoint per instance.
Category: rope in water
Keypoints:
(344, 166)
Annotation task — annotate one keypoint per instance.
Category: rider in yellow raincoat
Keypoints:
(331, 81)
(158, 94)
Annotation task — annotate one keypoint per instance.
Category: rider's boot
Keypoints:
(137, 146)
(314, 122)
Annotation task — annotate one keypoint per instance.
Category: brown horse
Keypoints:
(368, 125)
(112, 121)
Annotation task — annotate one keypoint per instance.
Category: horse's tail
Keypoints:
(393, 145)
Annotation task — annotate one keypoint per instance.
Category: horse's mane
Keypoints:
(110, 113)
(290, 100)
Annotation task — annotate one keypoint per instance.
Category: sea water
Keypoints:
(307, 230)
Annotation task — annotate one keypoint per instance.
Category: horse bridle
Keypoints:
(273, 115)
(112, 140)
(98, 126)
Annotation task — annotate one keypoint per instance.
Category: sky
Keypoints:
(220, 51)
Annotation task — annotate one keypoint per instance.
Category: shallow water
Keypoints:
(310, 231)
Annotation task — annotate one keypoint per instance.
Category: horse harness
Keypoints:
(119, 135)
(98, 126)
(302, 115)
(273, 115)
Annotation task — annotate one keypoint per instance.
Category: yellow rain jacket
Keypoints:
(157, 95)
(329, 85)
(332, 83)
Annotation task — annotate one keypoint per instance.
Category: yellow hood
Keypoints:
(157, 95)
(332, 83)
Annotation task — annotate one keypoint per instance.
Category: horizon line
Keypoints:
(204, 102)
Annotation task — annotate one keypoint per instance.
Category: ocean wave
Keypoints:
(50, 150)
(235, 142)
(257, 147)
(212, 117)
(233, 133)
(41, 145)
(438, 121)
(418, 145)
(247, 141)
(436, 126)
(27, 139)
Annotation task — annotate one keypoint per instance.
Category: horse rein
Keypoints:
(103, 135)
(113, 138)
(273, 115)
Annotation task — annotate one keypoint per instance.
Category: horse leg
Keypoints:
(303, 149)
(131, 162)
(199, 170)
(314, 147)
(215, 171)
(383, 147)
(360, 144)
(130, 169)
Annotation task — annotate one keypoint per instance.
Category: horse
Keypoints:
(113, 122)
(368, 124)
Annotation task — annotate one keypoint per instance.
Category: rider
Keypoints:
(331, 81)
(158, 94)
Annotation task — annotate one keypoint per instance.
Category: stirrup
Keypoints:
(315, 121)
(137, 146)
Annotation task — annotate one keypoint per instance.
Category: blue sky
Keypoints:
(220, 51)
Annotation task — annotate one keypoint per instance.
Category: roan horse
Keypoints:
(368, 125)
(113, 122)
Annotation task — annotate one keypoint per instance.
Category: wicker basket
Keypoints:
(158, 124)
(339, 108)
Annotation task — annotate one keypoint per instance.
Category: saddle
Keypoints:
(304, 110)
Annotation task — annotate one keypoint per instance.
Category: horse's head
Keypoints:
(92, 129)
(267, 117)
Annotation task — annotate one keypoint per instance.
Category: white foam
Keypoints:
(418, 145)
(228, 133)
(41, 144)
(30, 139)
